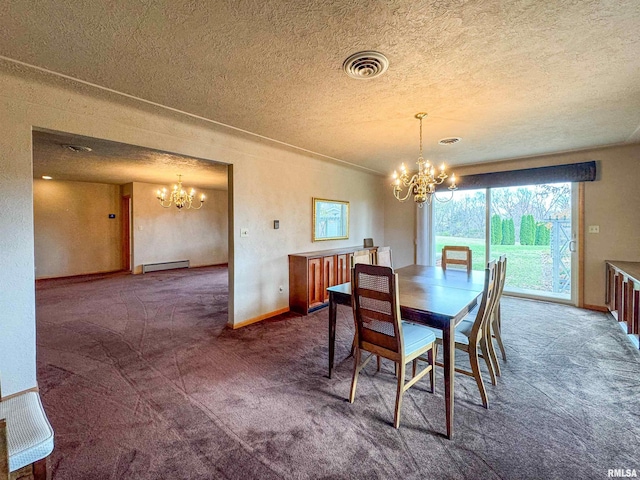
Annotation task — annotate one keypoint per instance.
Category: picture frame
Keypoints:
(330, 219)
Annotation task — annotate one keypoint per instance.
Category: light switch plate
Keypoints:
(594, 228)
(244, 232)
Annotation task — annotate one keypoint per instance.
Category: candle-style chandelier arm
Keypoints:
(450, 197)
(397, 189)
(162, 197)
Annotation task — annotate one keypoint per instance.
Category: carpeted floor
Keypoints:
(141, 380)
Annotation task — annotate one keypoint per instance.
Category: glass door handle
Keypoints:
(572, 246)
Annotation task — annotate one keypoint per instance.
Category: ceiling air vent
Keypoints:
(365, 65)
(449, 140)
(77, 148)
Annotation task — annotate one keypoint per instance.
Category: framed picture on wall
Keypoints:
(330, 220)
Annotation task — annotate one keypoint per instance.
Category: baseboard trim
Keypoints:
(596, 308)
(259, 318)
(80, 275)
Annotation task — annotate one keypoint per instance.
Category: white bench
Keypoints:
(26, 437)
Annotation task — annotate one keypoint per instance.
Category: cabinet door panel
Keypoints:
(316, 290)
(343, 269)
(328, 275)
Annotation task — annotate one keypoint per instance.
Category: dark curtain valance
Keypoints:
(572, 172)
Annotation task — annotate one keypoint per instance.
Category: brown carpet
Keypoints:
(141, 380)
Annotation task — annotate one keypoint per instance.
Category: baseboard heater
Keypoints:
(154, 267)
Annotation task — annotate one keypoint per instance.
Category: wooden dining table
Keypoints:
(430, 296)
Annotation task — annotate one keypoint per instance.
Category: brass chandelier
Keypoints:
(179, 197)
(421, 185)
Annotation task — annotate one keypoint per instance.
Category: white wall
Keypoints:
(73, 232)
(269, 183)
(168, 234)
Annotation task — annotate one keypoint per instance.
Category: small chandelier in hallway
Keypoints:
(179, 197)
(423, 184)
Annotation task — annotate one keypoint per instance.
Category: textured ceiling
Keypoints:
(512, 78)
(118, 163)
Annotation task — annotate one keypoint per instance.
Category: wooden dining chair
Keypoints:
(494, 325)
(456, 255)
(471, 332)
(26, 438)
(361, 256)
(383, 257)
(380, 330)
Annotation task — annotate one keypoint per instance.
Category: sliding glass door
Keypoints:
(533, 225)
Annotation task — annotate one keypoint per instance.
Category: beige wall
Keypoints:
(168, 234)
(73, 232)
(399, 228)
(610, 202)
(269, 183)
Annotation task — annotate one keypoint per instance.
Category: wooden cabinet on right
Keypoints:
(622, 295)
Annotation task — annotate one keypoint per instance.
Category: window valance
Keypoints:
(571, 172)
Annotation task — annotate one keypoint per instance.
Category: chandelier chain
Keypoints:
(421, 137)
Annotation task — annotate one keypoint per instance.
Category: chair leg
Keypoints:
(431, 356)
(493, 356)
(484, 346)
(475, 368)
(379, 360)
(414, 367)
(356, 370)
(41, 470)
(4, 450)
(498, 335)
(492, 351)
(353, 347)
(401, 373)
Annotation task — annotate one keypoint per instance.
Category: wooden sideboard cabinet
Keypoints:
(311, 273)
(622, 295)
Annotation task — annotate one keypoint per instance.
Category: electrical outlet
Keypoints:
(244, 232)
(594, 228)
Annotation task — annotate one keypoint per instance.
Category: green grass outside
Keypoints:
(528, 266)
